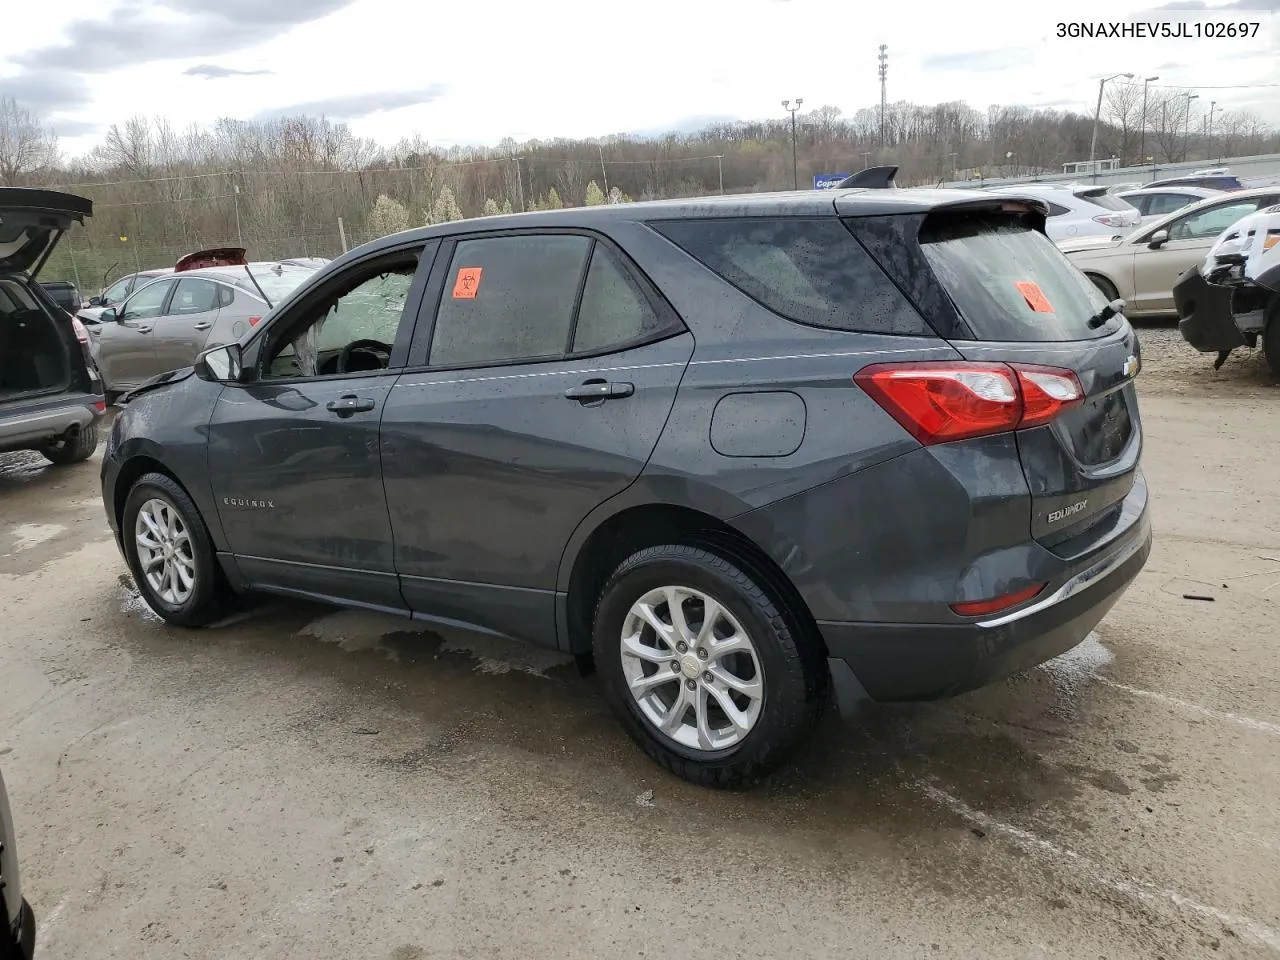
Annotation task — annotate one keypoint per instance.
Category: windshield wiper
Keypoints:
(270, 305)
(1106, 313)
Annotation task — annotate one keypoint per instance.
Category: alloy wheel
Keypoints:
(165, 552)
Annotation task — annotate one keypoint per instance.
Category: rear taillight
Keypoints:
(942, 401)
(81, 333)
(981, 608)
(1113, 220)
(254, 321)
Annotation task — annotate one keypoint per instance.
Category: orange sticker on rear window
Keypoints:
(1034, 296)
(468, 283)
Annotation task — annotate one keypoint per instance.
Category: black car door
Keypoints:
(552, 367)
(293, 455)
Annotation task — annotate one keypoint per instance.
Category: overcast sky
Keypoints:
(471, 73)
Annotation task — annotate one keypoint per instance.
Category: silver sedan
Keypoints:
(164, 324)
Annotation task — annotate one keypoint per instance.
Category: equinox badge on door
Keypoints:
(1132, 366)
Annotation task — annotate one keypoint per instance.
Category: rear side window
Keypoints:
(1008, 281)
(614, 311)
(812, 271)
(1057, 209)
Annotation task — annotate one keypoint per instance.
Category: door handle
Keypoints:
(203, 325)
(599, 390)
(143, 329)
(345, 406)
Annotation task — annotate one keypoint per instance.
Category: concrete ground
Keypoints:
(311, 783)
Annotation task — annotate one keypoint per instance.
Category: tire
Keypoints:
(1106, 286)
(1271, 338)
(787, 664)
(75, 450)
(207, 598)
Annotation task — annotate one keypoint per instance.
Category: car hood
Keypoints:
(31, 221)
(1090, 244)
(155, 383)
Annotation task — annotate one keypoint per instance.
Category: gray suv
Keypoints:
(728, 450)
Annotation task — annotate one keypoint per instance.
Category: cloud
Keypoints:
(75, 128)
(46, 91)
(127, 37)
(211, 71)
(686, 125)
(357, 105)
(984, 60)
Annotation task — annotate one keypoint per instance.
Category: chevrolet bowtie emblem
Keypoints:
(1132, 366)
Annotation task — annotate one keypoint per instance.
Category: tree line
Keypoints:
(280, 187)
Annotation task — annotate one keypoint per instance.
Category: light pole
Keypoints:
(795, 164)
(1097, 114)
(1143, 150)
(1208, 147)
(1186, 137)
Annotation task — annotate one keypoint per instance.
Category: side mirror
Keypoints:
(108, 315)
(95, 302)
(220, 364)
(1158, 239)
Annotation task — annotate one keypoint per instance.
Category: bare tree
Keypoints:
(26, 145)
(1123, 113)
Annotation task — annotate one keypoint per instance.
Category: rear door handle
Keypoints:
(203, 325)
(143, 329)
(345, 406)
(596, 390)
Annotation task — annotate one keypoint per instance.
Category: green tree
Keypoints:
(595, 196)
(617, 196)
(387, 216)
(445, 209)
(506, 207)
(553, 200)
(491, 207)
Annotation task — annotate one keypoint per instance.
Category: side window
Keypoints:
(614, 310)
(1141, 201)
(1057, 209)
(194, 295)
(509, 298)
(226, 296)
(812, 271)
(147, 302)
(1209, 223)
(1163, 203)
(350, 330)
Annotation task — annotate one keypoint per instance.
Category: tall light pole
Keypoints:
(1186, 137)
(884, 76)
(1143, 150)
(1208, 147)
(1097, 114)
(795, 164)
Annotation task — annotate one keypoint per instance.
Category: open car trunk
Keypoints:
(33, 349)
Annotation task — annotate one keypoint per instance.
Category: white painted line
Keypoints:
(1263, 725)
(1148, 893)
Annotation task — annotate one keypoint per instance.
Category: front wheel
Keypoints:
(1107, 288)
(170, 553)
(714, 678)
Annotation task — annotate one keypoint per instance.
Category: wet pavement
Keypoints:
(313, 783)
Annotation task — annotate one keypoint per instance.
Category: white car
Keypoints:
(1157, 202)
(1078, 211)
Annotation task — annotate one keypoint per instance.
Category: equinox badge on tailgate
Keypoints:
(1065, 512)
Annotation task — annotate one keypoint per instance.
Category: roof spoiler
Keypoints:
(216, 257)
(873, 178)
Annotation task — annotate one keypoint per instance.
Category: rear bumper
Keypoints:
(1205, 319)
(899, 661)
(33, 425)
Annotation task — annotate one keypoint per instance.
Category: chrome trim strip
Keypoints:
(1077, 583)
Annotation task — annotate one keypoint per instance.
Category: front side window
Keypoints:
(509, 298)
(147, 302)
(194, 295)
(1206, 224)
(353, 329)
(116, 292)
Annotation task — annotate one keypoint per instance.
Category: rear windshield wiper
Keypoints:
(1106, 313)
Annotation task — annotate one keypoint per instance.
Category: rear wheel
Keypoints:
(170, 553)
(710, 675)
(73, 448)
(1106, 286)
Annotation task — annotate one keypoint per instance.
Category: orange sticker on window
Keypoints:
(468, 283)
(1034, 296)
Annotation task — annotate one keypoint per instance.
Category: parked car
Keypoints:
(1232, 298)
(18, 935)
(166, 323)
(64, 293)
(117, 292)
(50, 396)
(1158, 202)
(1217, 179)
(1078, 211)
(1142, 267)
(731, 449)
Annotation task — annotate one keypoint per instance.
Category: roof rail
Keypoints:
(873, 178)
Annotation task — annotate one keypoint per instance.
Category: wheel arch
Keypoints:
(641, 525)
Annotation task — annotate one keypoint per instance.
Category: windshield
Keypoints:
(277, 281)
(1009, 281)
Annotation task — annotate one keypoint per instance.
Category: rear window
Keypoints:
(1008, 281)
(276, 282)
(812, 271)
(1106, 201)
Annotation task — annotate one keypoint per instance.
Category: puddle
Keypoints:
(496, 655)
(132, 604)
(28, 535)
(1079, 665)
(355, 631)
